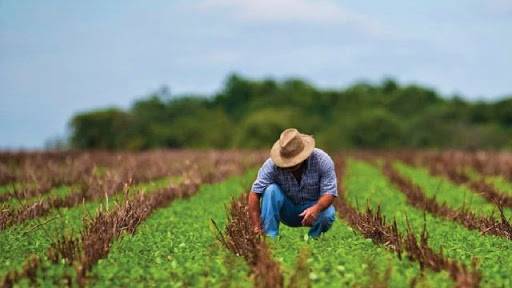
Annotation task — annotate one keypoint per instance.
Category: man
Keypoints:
(296, 185)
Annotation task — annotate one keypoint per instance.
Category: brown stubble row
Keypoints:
(242, 240)
(39, 172)
(61, 167)
(126, 170)
(94, 243)
(372, 225)
(17, 157)
(488, 163)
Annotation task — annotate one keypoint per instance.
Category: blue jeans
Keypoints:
(276, 207)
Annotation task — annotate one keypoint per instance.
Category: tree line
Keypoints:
(250, 113)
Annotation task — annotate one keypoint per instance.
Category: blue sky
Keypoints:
(61, 57)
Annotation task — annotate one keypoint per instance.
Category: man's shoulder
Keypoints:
(323, 161)
(269, 164)
(321, 154)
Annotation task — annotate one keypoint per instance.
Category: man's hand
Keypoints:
(309, 215)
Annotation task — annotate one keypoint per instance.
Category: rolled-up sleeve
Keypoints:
(328, 181)
(265, 177)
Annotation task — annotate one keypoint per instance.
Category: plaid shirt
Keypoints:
(317, 179)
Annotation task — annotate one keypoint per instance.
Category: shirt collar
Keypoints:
(306, 169)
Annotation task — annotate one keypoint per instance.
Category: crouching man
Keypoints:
(296, 185)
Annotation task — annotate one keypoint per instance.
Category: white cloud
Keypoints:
(307, 11)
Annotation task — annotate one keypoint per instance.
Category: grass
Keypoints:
(35, 236)
(455, 196)
(176, 246)
(366, 184)
(343, 258)
(56, 192)
(502, 184)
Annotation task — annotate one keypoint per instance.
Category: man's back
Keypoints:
(318, 178)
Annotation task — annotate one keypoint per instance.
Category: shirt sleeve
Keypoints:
(328, 181)
(265, 177)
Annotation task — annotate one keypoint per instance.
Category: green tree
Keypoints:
(199, 129)
(236, 95)
(503, 110)
(376, 128)
(251, 113)
(103, 129)
(261, 128)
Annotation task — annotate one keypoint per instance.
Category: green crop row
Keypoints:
(455, 196)
(56, 192)
(365, 184)
(501, 184)
(35, 236)
(14, 185)
(344, 258)
(177, 247)
(9, 188)
(5, 189)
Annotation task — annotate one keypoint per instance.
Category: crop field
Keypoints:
(179, 218)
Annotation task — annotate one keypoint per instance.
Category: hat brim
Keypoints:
(309, 145)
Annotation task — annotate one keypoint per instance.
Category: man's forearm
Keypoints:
(254, 209)
(324, 202)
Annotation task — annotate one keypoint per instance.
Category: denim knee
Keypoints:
(272, 187)
(273, 190)
(328, 216)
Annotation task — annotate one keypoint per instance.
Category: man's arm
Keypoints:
(254, 211)
(263, 180)
(324, 202)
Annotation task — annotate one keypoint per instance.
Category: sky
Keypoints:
(58, 58)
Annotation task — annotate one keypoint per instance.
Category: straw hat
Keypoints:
(291, 148)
